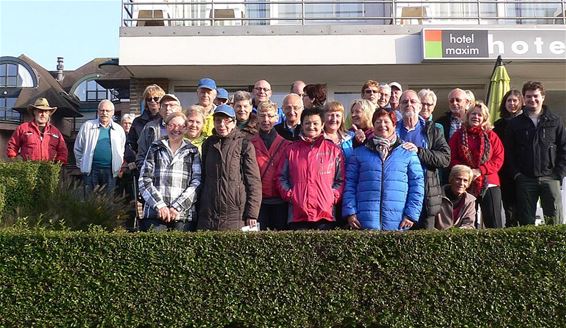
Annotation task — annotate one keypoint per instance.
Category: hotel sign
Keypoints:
(488, 44)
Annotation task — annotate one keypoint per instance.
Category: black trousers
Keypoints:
(273, 216)
(490, 205)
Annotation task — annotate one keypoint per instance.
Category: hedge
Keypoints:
(27, 183)
(488, 278)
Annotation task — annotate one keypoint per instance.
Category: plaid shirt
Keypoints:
(168, 180)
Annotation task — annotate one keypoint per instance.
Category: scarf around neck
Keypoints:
(474, 158)
(383, 145)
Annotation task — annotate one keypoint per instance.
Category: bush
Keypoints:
(507, 277)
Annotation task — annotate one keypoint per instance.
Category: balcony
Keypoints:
(177, 13)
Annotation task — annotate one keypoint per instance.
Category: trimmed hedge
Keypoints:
(495, 278)
(27, 183)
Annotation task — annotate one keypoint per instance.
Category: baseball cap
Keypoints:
(221, 93)
(169, 96)
(207, 83)
(226, 110)
(396, 85)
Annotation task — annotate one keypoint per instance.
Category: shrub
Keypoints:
(507, 277)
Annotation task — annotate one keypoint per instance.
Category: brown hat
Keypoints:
(41, 104)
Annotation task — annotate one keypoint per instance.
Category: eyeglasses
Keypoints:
(412, 101)
(156, 99)
(264, 116)
(176, 126)
(225, 120)
(262, 89)
(370, 91)
(427, 104)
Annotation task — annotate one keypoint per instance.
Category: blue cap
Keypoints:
(207, 83)
(222, 93)
(226, 110)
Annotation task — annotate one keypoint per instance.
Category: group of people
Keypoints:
(227, 163)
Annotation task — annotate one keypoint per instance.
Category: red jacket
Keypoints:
(263, 155)
(27, 141)
(311, 179)
(494, 162)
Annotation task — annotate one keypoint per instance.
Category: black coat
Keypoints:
(536, 151)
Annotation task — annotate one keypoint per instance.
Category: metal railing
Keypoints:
(374, 12)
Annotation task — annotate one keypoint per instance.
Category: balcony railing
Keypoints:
(363, 12)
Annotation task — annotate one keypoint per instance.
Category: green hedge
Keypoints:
(489, 278)
(27, 183)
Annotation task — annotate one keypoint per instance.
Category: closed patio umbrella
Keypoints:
(498, 86)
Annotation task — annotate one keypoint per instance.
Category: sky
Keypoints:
(78, 30)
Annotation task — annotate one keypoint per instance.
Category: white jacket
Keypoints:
(86, 142)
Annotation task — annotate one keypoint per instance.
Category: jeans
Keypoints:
(159, 226)
(529, 190)
(101, 178)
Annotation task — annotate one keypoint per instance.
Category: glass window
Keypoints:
(6, 111)
(91, 91)
(15, 76)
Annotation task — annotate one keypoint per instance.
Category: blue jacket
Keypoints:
(382, 193)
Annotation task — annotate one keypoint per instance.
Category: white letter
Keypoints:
(492, 44)
(557, 47)
(538, 44)
(519, 47)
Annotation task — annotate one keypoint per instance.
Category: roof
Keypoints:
(48, 87)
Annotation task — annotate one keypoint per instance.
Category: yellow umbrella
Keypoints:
(498, 86)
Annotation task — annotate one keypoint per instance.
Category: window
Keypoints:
(15, 76)
(91, 91)
(6, 111)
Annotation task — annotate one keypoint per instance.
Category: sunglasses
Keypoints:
(156, 99)
(370, 91)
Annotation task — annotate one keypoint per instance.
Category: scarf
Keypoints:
(475, 157)
(383, 145)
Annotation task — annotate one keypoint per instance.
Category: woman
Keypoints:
(125, 176)
(169, 179)
(334, 127)
(314, 96)
(195, 125)
(477, 146)
(458, 209)
(428, 101)
(231, 191)
(384, 182)
(361, 112)
(511, 107)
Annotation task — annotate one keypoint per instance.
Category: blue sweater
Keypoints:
(382, 193)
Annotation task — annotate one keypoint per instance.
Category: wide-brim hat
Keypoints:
(41, 104)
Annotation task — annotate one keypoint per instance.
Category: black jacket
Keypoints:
(283, 131)
(536, 151)
(137, 126)
(435, 157)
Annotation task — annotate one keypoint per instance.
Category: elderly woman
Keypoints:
(169, 179)
(477, 146)
(195, 125)
(428, 101)
(384, 181)
(231, 191)
(126, 174)
(511, 107)
(334, 127)
(314, 96)
(361, 112)
(458, 208)
(245, 118)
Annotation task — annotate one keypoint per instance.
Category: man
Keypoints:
(311, 176)
(383, 96)
(245, 119)
(536, 145)
(451, 121)
(292, 108)
(38, 140)
(396, 91)
(231, 187)
(370, 90)
(151, 96)
(99, 149)
(425, 139)
(156, 129)
(206, 92)
(297, 87)
(262, 92)
(221, 97)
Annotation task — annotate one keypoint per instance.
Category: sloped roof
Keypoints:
(48, 87)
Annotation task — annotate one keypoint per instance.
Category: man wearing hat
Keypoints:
(231, 186)
(221, 97)
(156, 129)
(206, 92)
(99, 149)
(38, 140)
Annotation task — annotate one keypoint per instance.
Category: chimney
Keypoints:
(60, 68)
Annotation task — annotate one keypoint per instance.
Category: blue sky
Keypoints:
(78, 30)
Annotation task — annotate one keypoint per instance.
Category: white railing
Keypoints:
(374, 12)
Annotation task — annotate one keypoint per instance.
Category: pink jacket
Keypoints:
(271, 156)
(27, 141)
(311, 179)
